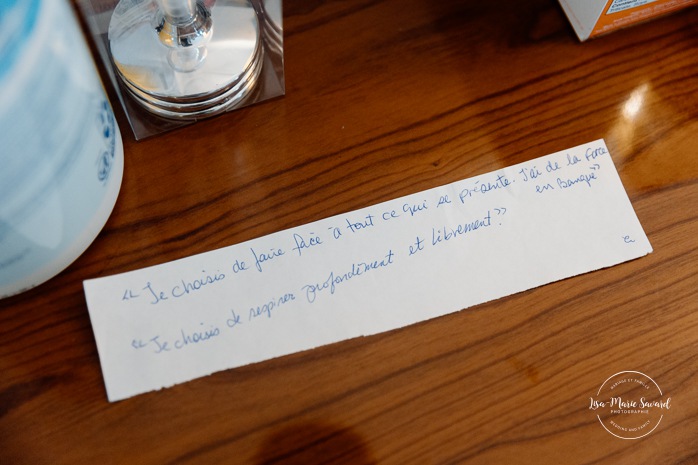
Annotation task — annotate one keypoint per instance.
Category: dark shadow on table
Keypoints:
(314, 443)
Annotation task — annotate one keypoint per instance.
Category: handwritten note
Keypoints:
(364, 272)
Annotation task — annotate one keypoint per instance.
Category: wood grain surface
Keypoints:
(384, 99)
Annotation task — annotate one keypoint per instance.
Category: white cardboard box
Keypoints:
(591, 18)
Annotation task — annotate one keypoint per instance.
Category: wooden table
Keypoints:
(384, 99)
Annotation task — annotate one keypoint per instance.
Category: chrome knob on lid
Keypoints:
(187, 59)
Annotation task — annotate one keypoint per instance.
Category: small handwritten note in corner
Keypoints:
(364, 272)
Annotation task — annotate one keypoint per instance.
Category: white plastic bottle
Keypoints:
(61, 155)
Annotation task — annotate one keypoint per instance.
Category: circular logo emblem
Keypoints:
(629, 405)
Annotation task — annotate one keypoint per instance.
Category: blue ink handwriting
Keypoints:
(500, 183)
(336, 232)
(196, 337)
(593, 154)
(359, 225)
(582, 178)
(529, 173)
(260, 258)
(305, 243)
(540, 188)
(266, 308)
(196, 284)
(357, 270)
(572, 160)
(551, 166)
(413, 209)
(160, 346)
(446, 233)
(443, 200)
(239, 266)
(157, 295)
(390, 215)
(234, 320)
(417, 246)
(128, 295)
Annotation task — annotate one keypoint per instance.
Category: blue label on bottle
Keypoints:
(17, 20)
(108, 126)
